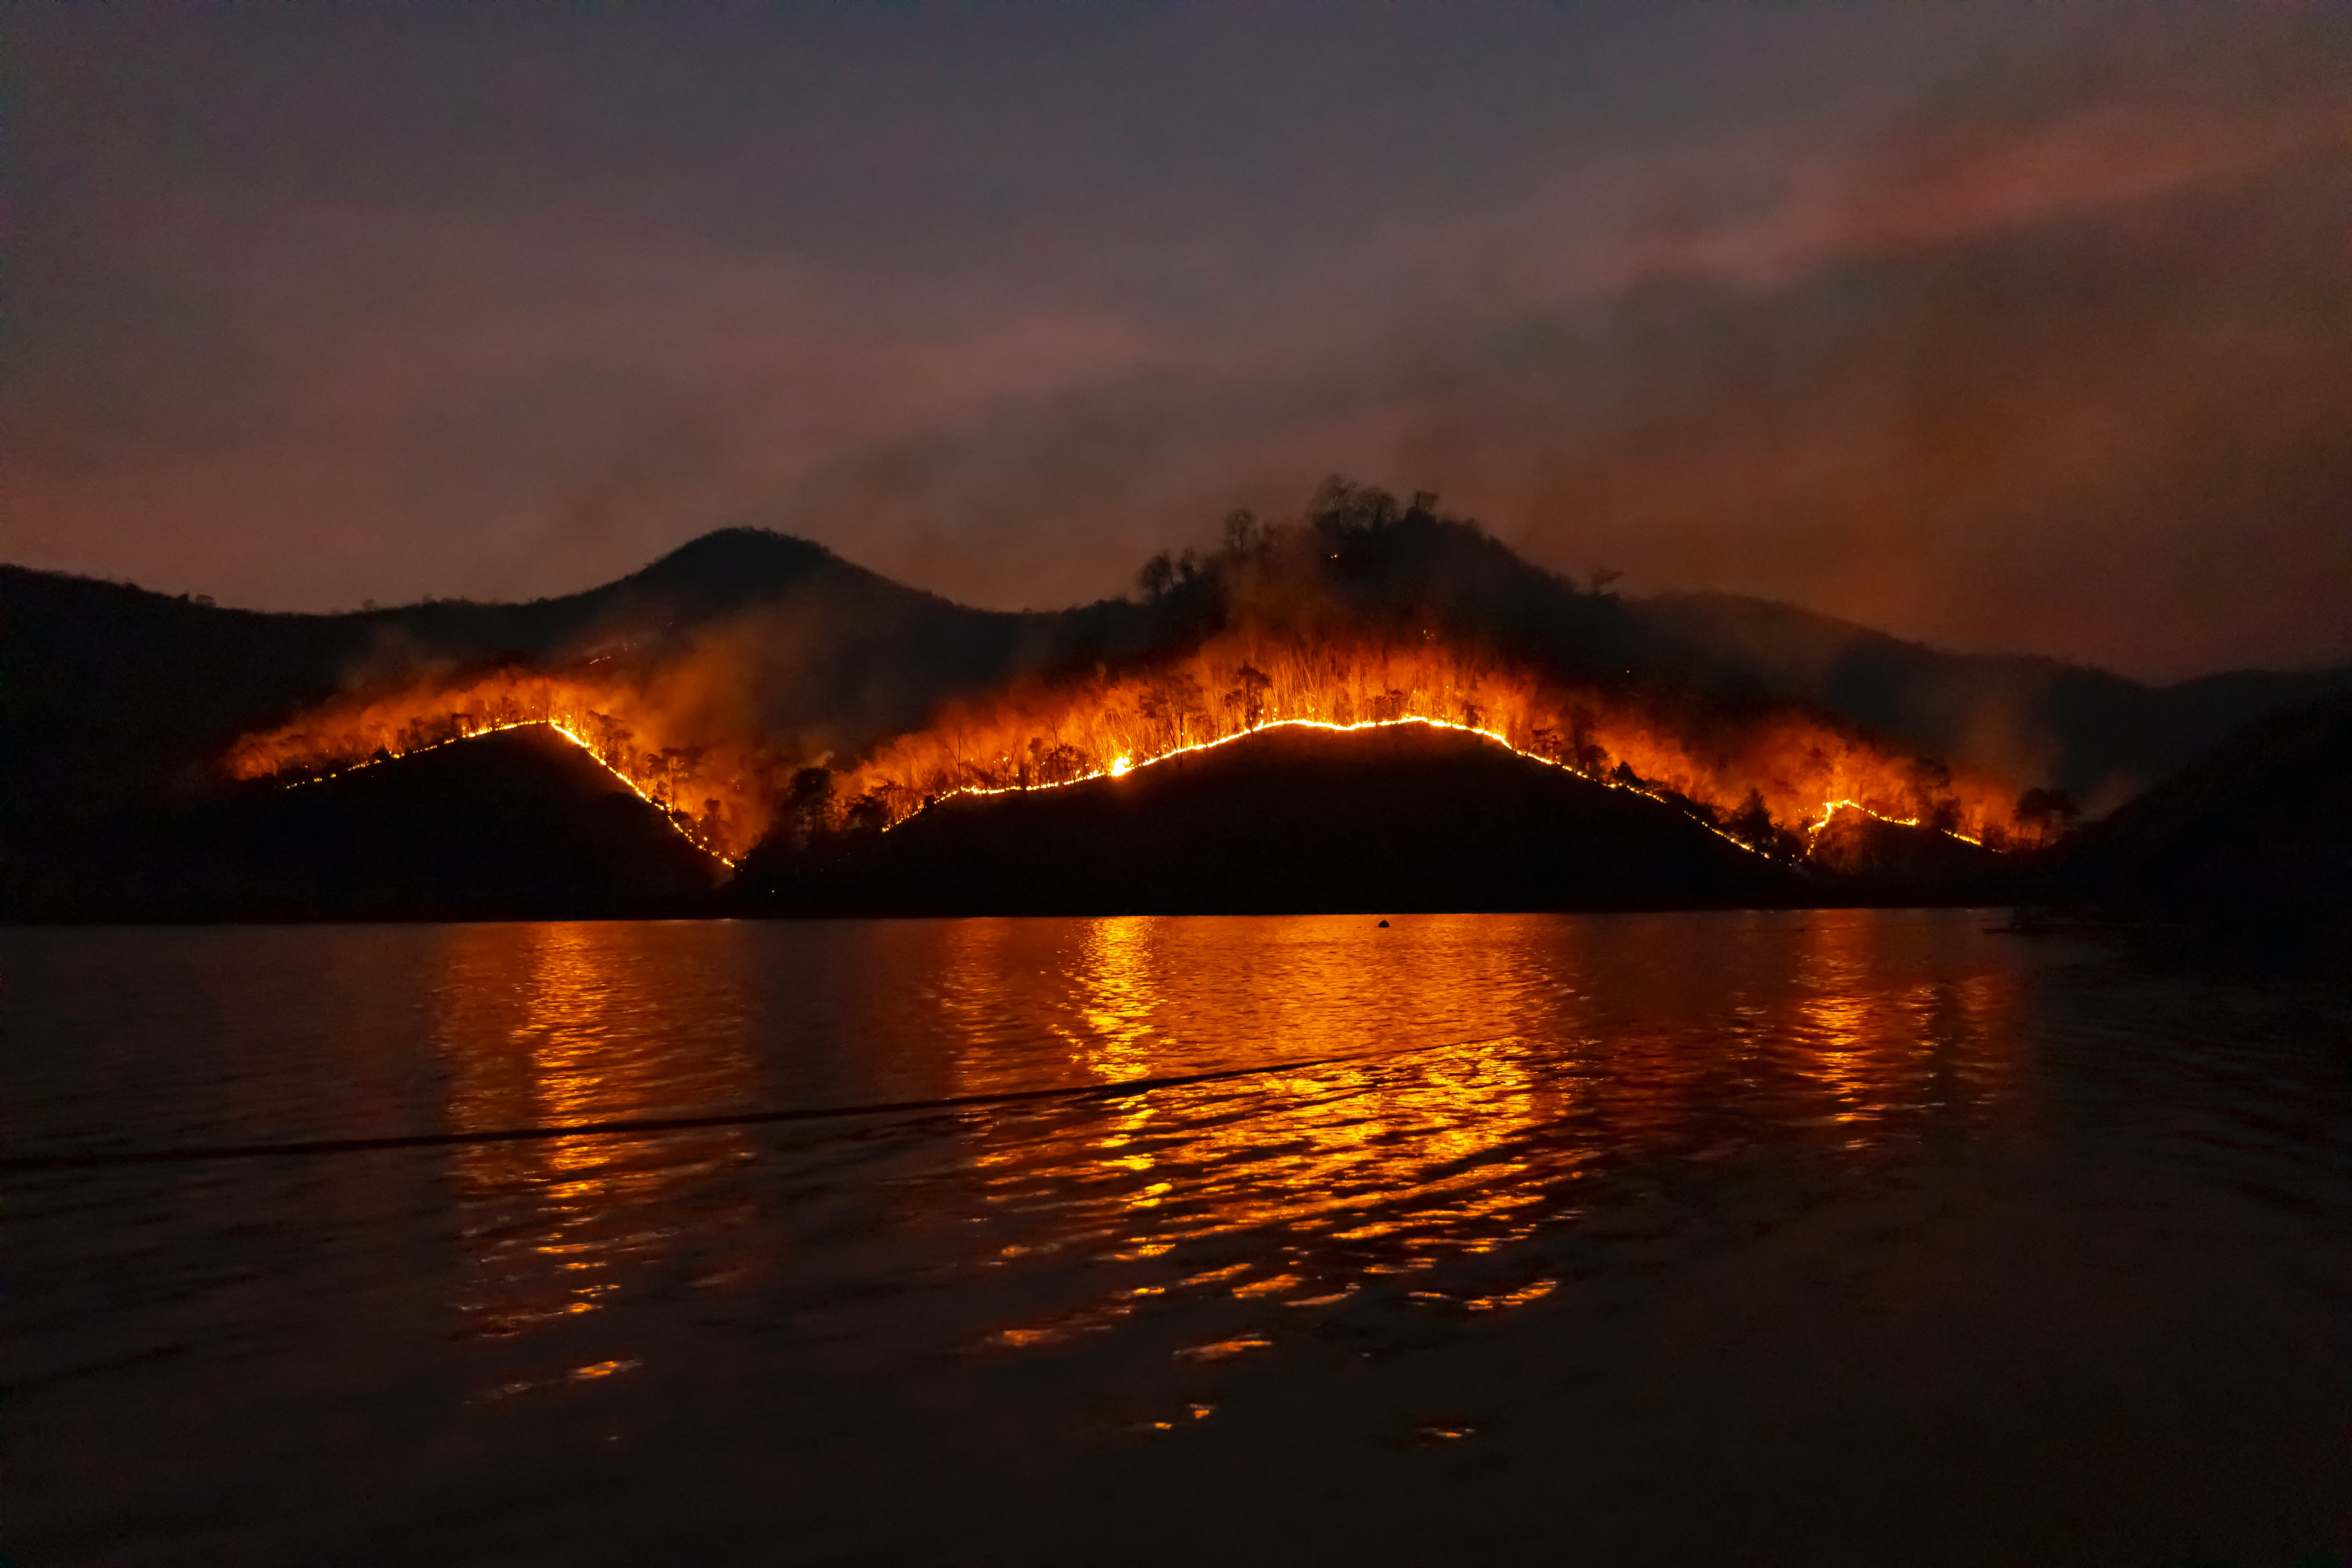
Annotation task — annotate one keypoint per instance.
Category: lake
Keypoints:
(1815, 1236)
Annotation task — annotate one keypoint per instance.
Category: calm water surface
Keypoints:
(1789, 1237)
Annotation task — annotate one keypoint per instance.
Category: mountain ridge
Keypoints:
(1283, 820)
(115, 698)
(2116, 734)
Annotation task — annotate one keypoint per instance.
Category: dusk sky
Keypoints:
(2000, 327)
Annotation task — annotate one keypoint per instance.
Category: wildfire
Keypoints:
(733, 785)
(683, 829)
(1121, 766)
(1829, 813)
(1768, 779)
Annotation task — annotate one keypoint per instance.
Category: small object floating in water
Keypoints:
(1384, 925)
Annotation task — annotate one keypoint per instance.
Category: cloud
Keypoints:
(2025, 333)
(2054, 364)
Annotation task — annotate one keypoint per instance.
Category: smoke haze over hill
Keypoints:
(2002, 329)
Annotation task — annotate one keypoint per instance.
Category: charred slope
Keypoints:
(1290, 820)
(2259, 830)
(519, 825)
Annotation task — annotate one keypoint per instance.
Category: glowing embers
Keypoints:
(1829, 815)
(1122, 766)
(1764, 776)
(669, 817)
(730, 787)
(554, 727)
(1760, 775)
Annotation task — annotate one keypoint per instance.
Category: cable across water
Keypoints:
(654, 1126)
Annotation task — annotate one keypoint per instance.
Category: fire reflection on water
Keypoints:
(1524, 1085)
(1875, 1048)
(542, 1025)
(1803, 1186)
(1432, 1096)
(1121, 991)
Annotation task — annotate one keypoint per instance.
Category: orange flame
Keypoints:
(1799, 767)
(1767, 776)
(714, 793)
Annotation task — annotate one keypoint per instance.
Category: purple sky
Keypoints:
(2000, 327)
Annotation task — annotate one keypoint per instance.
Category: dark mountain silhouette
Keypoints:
(519, 825)
(2095, 736)
(118, 706)
(2099, 737)
(1284, 820)
(2257, 831)
(1863, 859)
(113, 698)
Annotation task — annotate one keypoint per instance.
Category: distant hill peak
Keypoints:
(733, 567)
(742, 546)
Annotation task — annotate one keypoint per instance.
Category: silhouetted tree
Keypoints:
(1158, 575)
(808, 804)
(868, 815)
(1587, 755)
(2047, 812)
(1752, 823)
(1931, 783)
(1171, 699)
(1248, 696)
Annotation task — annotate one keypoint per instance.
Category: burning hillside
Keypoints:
(1768, 776)
(713, 788)
(1364, 613)
(1361, 615)
(1286, 818)
(514, 825)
